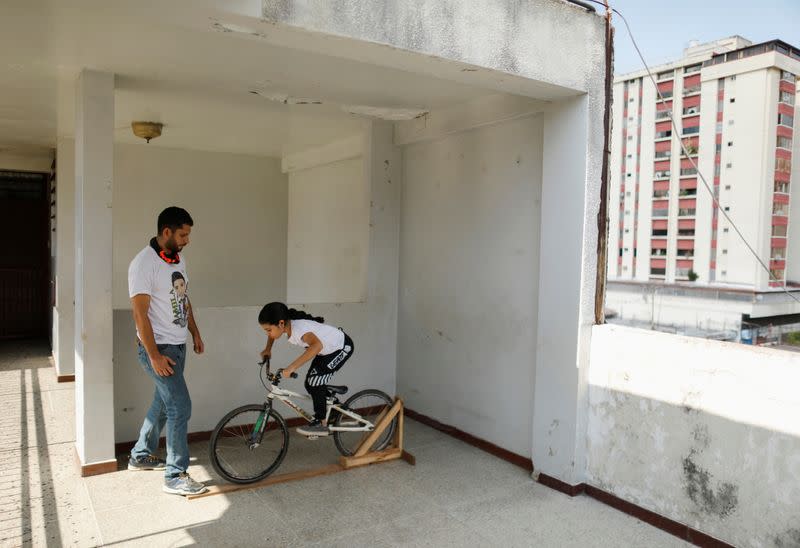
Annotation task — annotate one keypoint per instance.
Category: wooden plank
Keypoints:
(379, 428)
(409, 458)
(398, 433)
(377, 421)
(371, 458)
(271, 480)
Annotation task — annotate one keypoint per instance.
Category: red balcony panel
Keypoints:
(713, 265)
(687, 202)
(717, 159)
(784, 131)
(667, 105)
(661, 165)
(660, 224)
(778, 242)
(778, 220)
(788, 110)
(662, 146)
(660, 204)
(786, 86)
(661, 185)
(658, 263)
(693, 101)
(718, 139)
(690, 81)
(783, 153)
(686, 223)
(666, 86)
(719, 117)
(663, 126)
(658, 244)
(684, 263)
(685, 244)
(691, 121)
(782, 176)
(778, 265)
(714, 221)
(780, 198)
(688, 183)
(776, 284)
(721, 94)
(713, 244)
(687, 163)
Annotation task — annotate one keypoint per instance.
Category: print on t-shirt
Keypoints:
(179, 300)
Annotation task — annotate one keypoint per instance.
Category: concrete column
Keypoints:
(64, 316)
(573, 142)
(94, 374)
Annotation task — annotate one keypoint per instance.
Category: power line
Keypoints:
(693, 163)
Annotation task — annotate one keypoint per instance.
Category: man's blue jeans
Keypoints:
(172, 407)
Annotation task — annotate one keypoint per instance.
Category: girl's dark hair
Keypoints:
(273, 313)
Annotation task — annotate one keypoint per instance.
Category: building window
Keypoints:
(661, 194)
(782, 186)
(663, 134)
(686, 253)
(666, 75)
(785, 120)
(727, 208)
(688, 192)
(716, 170)
(784, 142)
(658, 252)
(692, 68)
(732, 78)
(660, 212)
(724, 251)
(787, 98)
(687, 171)
(787, 76)
(730, 143)
(686, 212)
(662, 114)
(733, 99)
(728, 165)
(630, 156)
(659, 232)
(625, 267)
(691, 110)
(783, 165)
(780, 209)
(719, 128)
(663, 153)
(691, 90)
(630, 137)
(627, 212)
(776, 274)
(725, 230)
(730, 122)
(658, 271)
(778, 253)
(627, 194)
(718, 148)
(727, 187)
(630, 100)
(685, 232)
(627, 230)
(662, 174)
(779, 231)
(691, 130)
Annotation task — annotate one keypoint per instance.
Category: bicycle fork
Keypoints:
(260, 426)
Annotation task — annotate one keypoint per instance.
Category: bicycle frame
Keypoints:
(285, 396)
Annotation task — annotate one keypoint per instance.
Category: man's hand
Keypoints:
(162, 365)
(199, 346)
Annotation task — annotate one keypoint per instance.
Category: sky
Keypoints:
(664, 28)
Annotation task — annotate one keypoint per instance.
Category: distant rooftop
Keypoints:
(773, 45)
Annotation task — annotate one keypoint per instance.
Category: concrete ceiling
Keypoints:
(192, 65)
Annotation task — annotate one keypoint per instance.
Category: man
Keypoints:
(158, 287)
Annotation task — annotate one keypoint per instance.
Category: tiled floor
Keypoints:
(456, 495)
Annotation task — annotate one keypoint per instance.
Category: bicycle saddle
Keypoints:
(336, 389)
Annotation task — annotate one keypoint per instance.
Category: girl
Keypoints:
(327, 346)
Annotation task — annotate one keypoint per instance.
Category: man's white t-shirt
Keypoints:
(167, 284)
(332, 339)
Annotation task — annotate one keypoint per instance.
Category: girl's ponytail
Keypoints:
(273, 313)
(300, 315)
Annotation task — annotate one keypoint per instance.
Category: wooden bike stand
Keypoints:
(362, 457)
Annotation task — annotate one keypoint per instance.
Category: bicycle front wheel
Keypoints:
(370, 404)
(239, 453)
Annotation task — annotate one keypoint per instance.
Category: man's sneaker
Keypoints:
(150, 462)
(315, 428)
(183, 484)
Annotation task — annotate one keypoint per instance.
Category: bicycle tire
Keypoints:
(347, 442)
(240, 449)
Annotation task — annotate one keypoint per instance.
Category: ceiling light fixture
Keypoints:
(147, 130)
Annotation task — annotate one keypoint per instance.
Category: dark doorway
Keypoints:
(24, 261)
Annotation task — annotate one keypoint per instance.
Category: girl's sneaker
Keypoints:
(150, 462)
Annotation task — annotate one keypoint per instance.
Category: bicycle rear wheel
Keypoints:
(369, 404)
(236, 453)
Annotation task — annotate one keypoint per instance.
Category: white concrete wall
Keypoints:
(237, 254)
(702, 432)
(328, 234)
(469, 279)
(22, 161)
(64, 310)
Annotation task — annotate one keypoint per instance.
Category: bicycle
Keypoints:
(250, 442)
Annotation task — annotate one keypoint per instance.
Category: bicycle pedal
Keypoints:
(313, 437)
